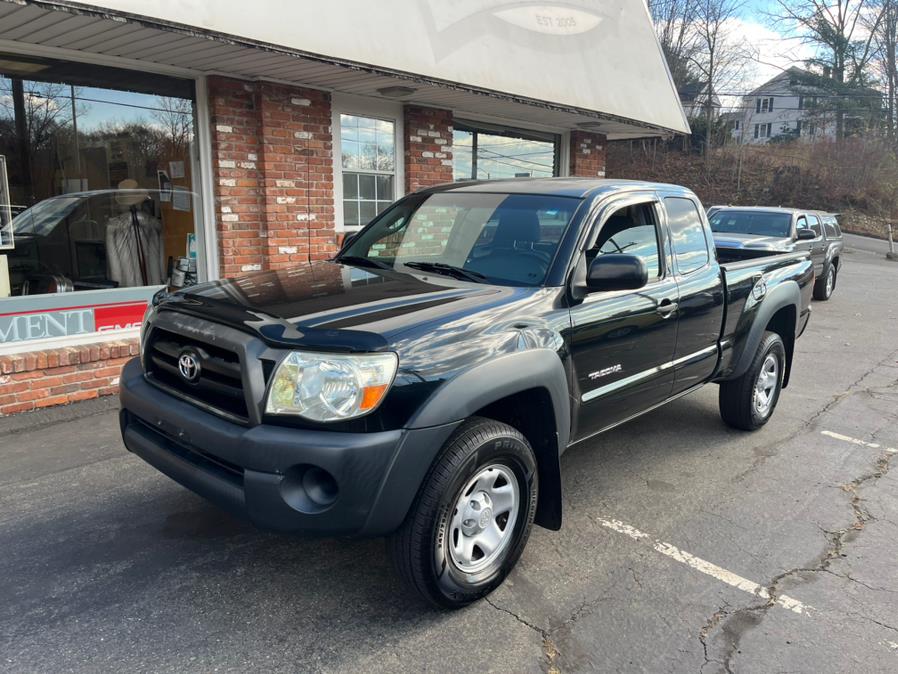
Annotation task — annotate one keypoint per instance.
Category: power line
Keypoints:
(759, 94)
(37, 94)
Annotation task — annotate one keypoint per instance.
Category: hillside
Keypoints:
(857, 177)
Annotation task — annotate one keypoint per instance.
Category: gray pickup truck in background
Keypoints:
(742, 229)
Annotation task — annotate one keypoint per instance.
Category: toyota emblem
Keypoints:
(189, 366)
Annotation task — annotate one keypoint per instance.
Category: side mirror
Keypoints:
(616, 271)
(805, 235)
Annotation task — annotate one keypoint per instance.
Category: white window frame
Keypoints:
(763, 130)
(362, 106)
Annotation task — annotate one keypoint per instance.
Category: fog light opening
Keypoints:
(320, 486)
(309, 489)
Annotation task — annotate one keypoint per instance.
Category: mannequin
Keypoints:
(134, 240)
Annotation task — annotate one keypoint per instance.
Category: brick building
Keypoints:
(143, 149)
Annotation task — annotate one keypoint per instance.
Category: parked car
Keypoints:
(424, 383)
(743, 228)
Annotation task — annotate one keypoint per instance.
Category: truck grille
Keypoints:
(219, 382)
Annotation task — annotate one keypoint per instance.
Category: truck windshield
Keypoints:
(761, 223)
(503, 239)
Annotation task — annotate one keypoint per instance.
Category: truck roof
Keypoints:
(562, 187)
(763, 209)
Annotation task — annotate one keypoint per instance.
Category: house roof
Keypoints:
(806, 80)
(692, 92)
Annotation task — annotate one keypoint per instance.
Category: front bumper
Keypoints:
(257, 471)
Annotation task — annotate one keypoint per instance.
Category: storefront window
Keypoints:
(488, 153)
(368, 157)
(99, 168)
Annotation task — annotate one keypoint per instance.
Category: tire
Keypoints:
(740, 406)
(823, 288)
(436, 549)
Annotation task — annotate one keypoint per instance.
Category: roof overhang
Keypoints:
(562, 64)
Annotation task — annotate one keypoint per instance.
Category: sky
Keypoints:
(774, 47)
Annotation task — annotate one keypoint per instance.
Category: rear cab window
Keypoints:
(756, 222)
(687, 234)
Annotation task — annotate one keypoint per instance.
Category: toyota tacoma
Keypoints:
(424, 383)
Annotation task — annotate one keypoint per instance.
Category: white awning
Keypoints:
(563, 63)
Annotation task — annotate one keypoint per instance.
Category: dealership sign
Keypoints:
(70, 321)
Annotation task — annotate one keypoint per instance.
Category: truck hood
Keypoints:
(753, 241)
(331, 306)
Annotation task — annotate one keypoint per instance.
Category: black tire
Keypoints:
(737, 401)
(822, 289)
(419, 548)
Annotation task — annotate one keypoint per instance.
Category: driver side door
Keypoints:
(622, 342)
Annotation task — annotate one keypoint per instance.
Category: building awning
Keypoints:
(564, 64)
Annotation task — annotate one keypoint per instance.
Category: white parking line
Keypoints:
(704, 566)
(855, 441)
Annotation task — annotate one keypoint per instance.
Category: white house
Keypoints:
(799, 104)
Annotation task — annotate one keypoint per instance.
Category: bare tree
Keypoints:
(47, 109)
(883, 26)
(673, 21)
(843, 33)
(720, 55)
(175, 117)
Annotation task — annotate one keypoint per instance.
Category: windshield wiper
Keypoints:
(447, 270)
(363, 261)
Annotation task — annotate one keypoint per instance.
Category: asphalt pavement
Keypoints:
(687, 546)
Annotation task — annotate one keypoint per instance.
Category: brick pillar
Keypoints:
(273, 167)
(236, 134)
(587, 154)
(297, 174)
(428, 147)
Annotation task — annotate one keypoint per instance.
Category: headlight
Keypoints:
(330, 387)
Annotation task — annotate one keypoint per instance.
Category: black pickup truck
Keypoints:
(424, 383)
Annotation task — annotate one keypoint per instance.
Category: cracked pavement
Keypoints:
(108, 565)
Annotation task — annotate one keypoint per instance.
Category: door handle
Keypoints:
(666, 308)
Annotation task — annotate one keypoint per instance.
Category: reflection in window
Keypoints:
(482, 154)
(369, 166)
(509, 238)
(632, 231)
(100, 181)
(687, 233)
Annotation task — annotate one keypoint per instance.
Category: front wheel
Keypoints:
(472, 516)
(747, 402)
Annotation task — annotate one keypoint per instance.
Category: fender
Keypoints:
(786, 294)
(496, 379)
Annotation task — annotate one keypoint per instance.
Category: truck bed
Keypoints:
(741, 275)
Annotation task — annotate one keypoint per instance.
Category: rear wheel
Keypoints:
(472, 517)
(748, 401)
(823, 288)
